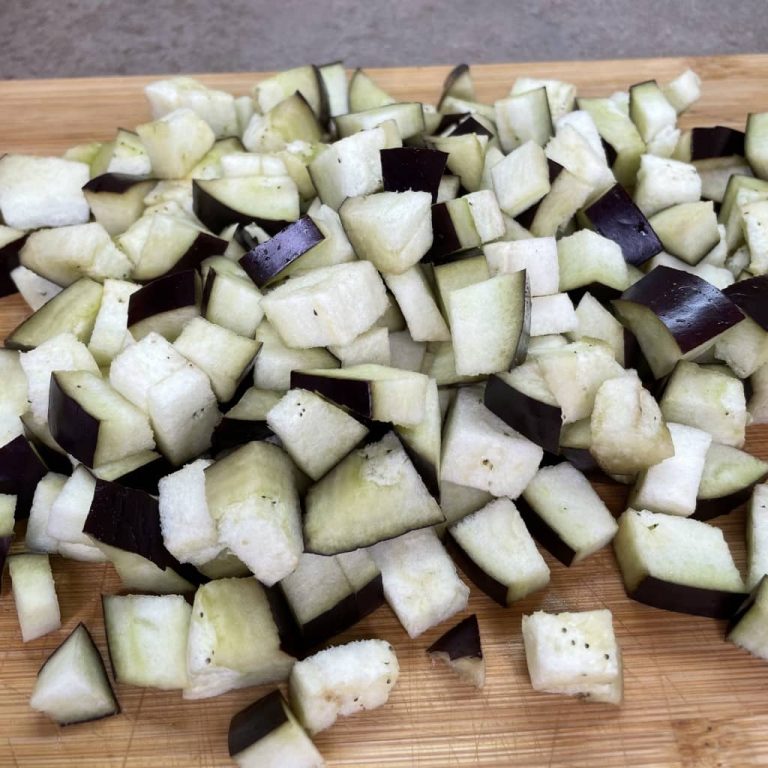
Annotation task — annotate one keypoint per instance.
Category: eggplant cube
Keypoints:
(34, 593)
(110, 332)
(72, 685)
(498, 312)
(189, 531)
(552, 315)
(629, 433)
(42, 192)
(481, 451)
(342, 680)
(38, 539)
(565, 513)
(749, 627)
(708, 399)
(678, 564)
(266, 734)
(461, 650)
(7, 514)
(147, 637)
(586, 257)
(176, 142)
(497, 552)
(757, 536)
(60, 353)
(662, 182)
(375, 493)
(222, 354)
(252, 496)
(521, 179)
(93, 422)
(537, 256)
(183, 411)
(571, 652)
(69, 510)
(315, 433)
(233, 640)
(420, 580)
(393, 230)
(331, 305)
(671, 485)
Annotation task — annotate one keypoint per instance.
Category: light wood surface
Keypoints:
(691, 699)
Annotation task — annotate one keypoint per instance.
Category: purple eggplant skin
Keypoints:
(423, 465)
(256, 721)
(217, 216)
(716, 141)
(468, 124)
(445, 241)
(449, 121)
(692, 310)
(203, 247)
(525, 219)
(615, 216)
(288, 630)
(56, 461)
(461, 641)
(164, 294)
(5, 548)
(610, 153)
(544, 534)
(266, 261)
(482, 580)
(9, 260)
(129, 519)
(538, 421)
(147, 477)
(232, 433)
(707, 509)
(416, 168)
(697, 601)
(751, 297)
(117, 709)
(743, 609)
(114, 183)
(350, 393)
(21, 469)
(72, 427)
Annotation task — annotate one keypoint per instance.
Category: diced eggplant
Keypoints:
(662, 182)
(373, 391)
(481, 451)
(596, 322)
(128, 520)
(266, 734)
(34, 289)
(223, 355)
(233, 639)
(330, 305)
(537, 256)
(142, 471)
(565, 514)
(675, 315)
(727, 481)
(671, 485)
(253, 498)
(370, 347)
(716, 141)
(677, 564)
(42, 191)
(522, 400)
(747, 627)
(110, 331)
(246, 421)
(11, 242)
(617, 217)
(342, 680)
(461, 650)
(73, 311)
(709, 398)
(552, 216)
(69, 510)
(314, 432)
(364, 576)
(552, 315)
(72, 685)
(586, 258)
(574, 654)
(375, 493)
(165, 305)
(496, 551)
(147, 637)
(34, 592)
(231, 301)
(93, 422)
(37, 537)
(412, 168)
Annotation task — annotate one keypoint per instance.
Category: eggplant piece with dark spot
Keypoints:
(9, 260)
(21, 469)
(460, 648)
(412, 168)
(266, 261)
(614, 215)
(354, 394)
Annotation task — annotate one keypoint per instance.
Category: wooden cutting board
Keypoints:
(691, 698)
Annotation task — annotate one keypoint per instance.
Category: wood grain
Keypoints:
(692, 700)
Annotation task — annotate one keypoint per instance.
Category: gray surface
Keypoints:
(65, 38)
